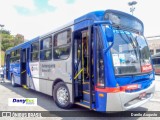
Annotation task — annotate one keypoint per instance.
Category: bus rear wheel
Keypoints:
(61, 95)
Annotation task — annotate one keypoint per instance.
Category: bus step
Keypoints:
(86, 95)
(85, 104)
(85, 87)
(87, 92)
(84, 83)
(82, 104)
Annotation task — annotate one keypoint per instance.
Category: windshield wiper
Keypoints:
(132, 44)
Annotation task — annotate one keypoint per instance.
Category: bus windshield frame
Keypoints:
(130, 54)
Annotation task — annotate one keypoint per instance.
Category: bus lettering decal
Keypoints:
(48, 67)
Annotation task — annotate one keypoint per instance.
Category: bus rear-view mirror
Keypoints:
(109, 34)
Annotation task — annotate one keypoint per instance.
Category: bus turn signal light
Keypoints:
(101, 95)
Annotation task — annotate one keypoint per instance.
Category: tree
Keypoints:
(9, 40)
(18, 39)
(5, 32)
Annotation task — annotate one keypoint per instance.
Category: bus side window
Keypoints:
(48, 55)
(46, 49)
(35, 51)
(15, 56)
(62, 43)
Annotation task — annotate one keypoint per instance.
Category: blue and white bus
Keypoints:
(100, 61)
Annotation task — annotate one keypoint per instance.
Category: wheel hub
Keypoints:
(62, 95)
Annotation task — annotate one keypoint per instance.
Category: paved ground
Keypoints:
(46, 103)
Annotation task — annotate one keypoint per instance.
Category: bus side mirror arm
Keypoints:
(106, 50)
(109, 37)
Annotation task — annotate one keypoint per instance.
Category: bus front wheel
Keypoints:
(61, 95)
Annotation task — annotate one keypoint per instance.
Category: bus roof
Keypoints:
(25, 44)
(92, 16)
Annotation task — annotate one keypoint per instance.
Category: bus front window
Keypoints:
(130, 54)
(125, 55)
(143, 48)
(144, 53)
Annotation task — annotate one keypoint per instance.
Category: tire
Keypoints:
(13, 81)
(61, 96)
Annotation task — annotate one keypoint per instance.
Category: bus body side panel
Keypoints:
(113, 102)
(17, 73)
(54, 70)
(15, 70)
(10, 70)
(44, 73)
(101, 98)
(34, 75)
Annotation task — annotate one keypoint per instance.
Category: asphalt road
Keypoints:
(46, 103)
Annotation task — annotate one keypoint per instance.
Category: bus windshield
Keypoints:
(130, 54)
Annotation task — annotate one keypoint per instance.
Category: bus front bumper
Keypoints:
(122, 101)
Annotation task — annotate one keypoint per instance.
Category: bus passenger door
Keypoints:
(7, 66)
(23, 67)
(83, 67)
(27, 68)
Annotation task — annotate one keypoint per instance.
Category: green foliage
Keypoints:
(2, 57)
(5, 32)
(18, 39)
(8, 41)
